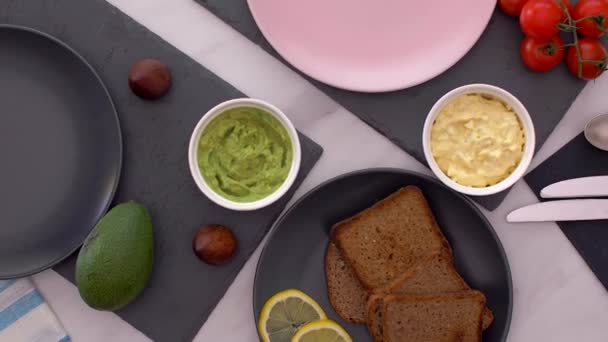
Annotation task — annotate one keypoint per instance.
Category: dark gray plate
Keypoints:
(293, 257)
(61, 151)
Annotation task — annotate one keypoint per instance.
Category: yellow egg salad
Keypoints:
(477, 140)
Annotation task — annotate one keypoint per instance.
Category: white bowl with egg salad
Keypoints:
(478, 139)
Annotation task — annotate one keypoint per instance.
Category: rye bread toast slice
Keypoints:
(452, 317)
(435, 275)
(388, 239)
(346, 294)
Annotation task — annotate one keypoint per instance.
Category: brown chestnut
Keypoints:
(214, 244)
(149, 79)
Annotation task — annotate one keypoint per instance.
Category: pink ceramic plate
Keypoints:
(372, 45)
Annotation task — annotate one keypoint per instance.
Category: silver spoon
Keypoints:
(596, 132)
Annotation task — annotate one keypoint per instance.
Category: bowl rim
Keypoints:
(518, 108)
(215, 112)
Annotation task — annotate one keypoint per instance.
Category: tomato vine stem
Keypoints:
(598, 20)
(572, 29)
(570, 26)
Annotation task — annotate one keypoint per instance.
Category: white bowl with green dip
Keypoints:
(244, 154)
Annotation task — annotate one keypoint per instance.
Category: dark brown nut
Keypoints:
(214, 244)
(149, 79)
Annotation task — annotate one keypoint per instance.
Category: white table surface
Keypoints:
(556, 296)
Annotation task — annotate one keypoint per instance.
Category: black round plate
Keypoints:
(294, 255)
(61, 151)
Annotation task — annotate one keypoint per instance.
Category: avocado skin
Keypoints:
(116, 260)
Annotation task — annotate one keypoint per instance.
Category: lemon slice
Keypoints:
(285, 312)
(321, 331)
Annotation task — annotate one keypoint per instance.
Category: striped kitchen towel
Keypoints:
(25, 317)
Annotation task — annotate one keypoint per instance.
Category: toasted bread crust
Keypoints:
(458, 284)
(342, 236)
(374, 316)
(399, 284)
(346, 295)
(438, 299)
(394, 252)
(416, 281)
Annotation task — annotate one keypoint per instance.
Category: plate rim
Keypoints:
(120, 156)
(401, 171)
(369, 88)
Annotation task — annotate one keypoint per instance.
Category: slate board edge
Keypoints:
(572, 240)
(583, 254)
(569, 232)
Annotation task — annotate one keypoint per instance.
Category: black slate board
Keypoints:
(400, 115)
(578, 159)
(183, 291)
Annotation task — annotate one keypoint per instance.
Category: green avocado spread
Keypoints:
(244, 154)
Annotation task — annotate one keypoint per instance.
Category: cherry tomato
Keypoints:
(540, 19)
(512, 7)
(568, 5)
(591, 50)
(590, 27)
(541, 55)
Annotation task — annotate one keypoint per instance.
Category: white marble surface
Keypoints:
(557, 297)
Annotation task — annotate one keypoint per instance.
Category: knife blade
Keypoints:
(564, 210)
(578, 187)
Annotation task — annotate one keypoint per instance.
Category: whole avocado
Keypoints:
(115, 261)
